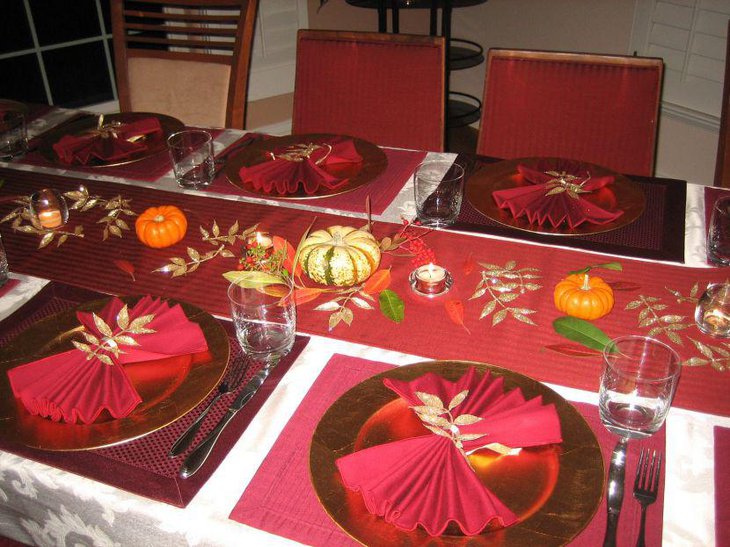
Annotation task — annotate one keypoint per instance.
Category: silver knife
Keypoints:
(615, 494)
(197, 457)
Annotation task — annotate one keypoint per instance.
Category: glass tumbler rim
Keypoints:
(674, 367)
(457, 174)
(171, 140)
(277, 302)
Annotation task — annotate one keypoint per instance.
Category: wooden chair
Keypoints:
(601, 109)
(186, 58)
(385, 88)
(722, 165)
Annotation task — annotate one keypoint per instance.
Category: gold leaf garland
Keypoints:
(503, 285)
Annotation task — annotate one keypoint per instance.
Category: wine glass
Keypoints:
(638, 383)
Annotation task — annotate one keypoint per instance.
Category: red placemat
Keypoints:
(293, 511)
(141, 466)
(657, 234)
(382, 190)
(722, 486)
(429, 327)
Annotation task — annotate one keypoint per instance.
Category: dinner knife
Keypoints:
(615, 493)
(197, 457)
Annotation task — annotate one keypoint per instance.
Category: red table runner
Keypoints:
(430, 328)
(293, 511)
(141, 466)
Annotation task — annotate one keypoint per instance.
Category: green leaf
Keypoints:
(392, 306)
(606, 266)
(252, 280)
(581, 331)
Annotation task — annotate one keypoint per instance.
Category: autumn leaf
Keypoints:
(126, 266)
(306, 294)
(624, 286)
(573, 350)
(282, 244)
(581, 331)
(455, 311)
(392, 306)
(377, 282)
(615, 266)
(469, 264)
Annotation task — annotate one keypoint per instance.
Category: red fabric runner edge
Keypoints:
(722, 486)
(295, 512)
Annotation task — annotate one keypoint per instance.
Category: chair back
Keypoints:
(385, 88)
(601, 109)
(185, 58)
(722, 166)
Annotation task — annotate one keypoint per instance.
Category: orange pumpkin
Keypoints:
(585, 297)
(162, 226)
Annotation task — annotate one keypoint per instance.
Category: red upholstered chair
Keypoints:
(185, 58)
(722, 166)
(385, 88)
(601, 109)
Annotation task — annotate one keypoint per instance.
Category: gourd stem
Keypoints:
(586, 285)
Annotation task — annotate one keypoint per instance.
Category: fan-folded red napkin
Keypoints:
(309, 165)
(77, 385)
(111, 142)
(555, 194)
(428, 480)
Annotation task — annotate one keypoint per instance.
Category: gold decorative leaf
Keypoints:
(105, 359)
(123, 318)
(138, 325)
(458, 399)
(430, 410)
(467, 419)
(360, 303)
(101, 326)
(430, 400)
(471, 436)
(437, 421)
(125, 340)
(90, 338)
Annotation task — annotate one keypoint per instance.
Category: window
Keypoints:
(58, 51)
(690, 35)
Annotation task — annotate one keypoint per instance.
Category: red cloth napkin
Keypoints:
(74, 385)
(428, 480)
(302, 165)
(108, 144)
(555, 193)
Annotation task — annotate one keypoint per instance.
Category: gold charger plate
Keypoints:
(622, 193)
(170, 388)
(555, 490)
(373, 163)
(155, 143)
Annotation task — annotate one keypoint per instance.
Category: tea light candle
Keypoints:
(430, 279)
(263, 241)
(50, 219)
(716, 320)
(712, 314)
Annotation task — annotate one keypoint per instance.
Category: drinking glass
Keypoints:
(718, 235)
(191, 152)
(639, 379)
(4, 274)
(13, 136)
(265, 319)
(712, 313)
(439, 190)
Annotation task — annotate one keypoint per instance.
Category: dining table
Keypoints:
(259, 486)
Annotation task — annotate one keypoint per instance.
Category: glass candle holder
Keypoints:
(712, 313)
(49, 207)
(430, 280)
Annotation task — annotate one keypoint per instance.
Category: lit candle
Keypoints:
(431, 279)
(263, 241)
(716, 321)
(51, 218)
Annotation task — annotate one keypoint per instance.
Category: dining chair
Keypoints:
(600, 109)
(385, 88)
(722, 165)
(185, 58)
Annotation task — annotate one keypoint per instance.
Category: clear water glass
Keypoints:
(4, 270)
(13, 135)
(265, 319)
(439, 190)
(638, 383)
(712, 314)
(718, 234)
(191, 152)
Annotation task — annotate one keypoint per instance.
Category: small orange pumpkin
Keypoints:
(162, 226)
(585, 297)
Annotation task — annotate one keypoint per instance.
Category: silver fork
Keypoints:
(646, 485)
(232, 379)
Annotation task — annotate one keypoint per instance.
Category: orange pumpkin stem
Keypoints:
(586, 284)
